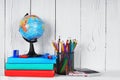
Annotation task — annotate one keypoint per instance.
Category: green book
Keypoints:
(29, 66)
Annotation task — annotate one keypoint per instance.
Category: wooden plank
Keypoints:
(93, 34)
(2, 36)
(45, 9)
(113, 35)
(68, 23)
(15, 11)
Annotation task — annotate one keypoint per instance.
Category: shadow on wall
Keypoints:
(45, 39)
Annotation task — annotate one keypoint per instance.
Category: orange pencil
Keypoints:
(62, 46)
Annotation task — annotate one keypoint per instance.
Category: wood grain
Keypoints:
(15, 11)
(68, 23)
(45, 9)
(113, 35)
(94, 23)
(93, 34)
(2, 36)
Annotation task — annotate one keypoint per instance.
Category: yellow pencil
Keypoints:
(55, 47)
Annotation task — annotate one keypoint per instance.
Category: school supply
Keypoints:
(41, 66)
(30, 73)
(29, 66)
(36, 60)
(65, 55)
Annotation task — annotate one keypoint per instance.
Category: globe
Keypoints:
(31, 27)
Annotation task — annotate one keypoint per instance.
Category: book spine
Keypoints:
(30, 73)
(29, 66)
(31, 60)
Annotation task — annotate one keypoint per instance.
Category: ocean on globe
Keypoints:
(31, 27)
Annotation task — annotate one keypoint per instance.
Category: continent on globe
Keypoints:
(31, 27)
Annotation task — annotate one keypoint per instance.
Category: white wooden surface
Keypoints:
(1, 36)
(93, 34)
(94, 23)
(112, 75)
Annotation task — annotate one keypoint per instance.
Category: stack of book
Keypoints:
(33, 67)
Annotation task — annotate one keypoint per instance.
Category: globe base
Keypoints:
(32, 52)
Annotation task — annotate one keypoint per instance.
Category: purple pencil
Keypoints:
(64, 47)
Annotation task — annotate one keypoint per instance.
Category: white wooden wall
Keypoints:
(2, 28)
(94, 23)
(93, 34)
(113, 35)
(68, 23)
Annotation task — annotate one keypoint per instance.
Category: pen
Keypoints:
(58, 43)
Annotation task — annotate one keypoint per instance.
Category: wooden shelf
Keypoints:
(111, 75)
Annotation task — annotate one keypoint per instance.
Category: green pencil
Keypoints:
(63, 65)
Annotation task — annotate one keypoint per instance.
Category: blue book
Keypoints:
(37, 60)
(29, 66)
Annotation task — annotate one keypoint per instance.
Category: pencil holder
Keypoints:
(65, 63)
(71, 61)
(62, 63)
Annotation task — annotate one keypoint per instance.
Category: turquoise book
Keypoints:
(36, 60)
(29, 66)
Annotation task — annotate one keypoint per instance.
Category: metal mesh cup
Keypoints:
(65, 63)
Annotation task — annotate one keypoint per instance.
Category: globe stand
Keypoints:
(32, 52)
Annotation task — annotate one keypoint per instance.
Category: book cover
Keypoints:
(36, 60)
(30, 73)
(29, 66)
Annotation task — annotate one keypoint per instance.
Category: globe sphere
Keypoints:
(31, 27)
